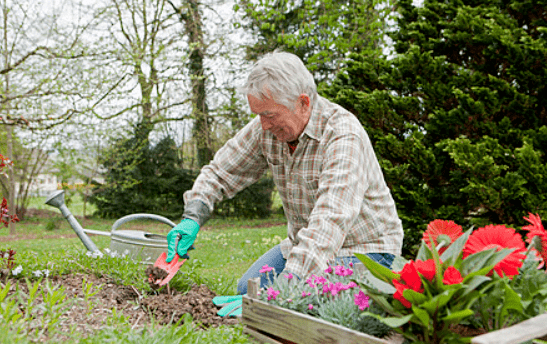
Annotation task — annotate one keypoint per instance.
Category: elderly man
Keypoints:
(333, 191)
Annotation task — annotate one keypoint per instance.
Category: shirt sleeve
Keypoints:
(238, 164)
(341, 190)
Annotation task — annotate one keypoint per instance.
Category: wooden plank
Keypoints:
(518, 333)
(253, 285)
(301, 328)
(259, 336)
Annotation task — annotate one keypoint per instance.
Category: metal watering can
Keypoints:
(139, 245)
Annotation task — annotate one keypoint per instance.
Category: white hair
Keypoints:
(282, 77)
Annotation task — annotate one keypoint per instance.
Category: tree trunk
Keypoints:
(11, 179)
(9, 138)
(200, 112)
(201, 130)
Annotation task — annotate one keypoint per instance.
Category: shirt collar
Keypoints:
(315, 126)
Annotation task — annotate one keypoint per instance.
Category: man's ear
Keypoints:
(304, 100)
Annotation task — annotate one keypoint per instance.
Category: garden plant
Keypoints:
(485, 279)
(460, 284)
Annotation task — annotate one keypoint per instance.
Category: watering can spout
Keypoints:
(57, 200)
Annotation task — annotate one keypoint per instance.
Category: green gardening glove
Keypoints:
(181, 238)
(231, 305)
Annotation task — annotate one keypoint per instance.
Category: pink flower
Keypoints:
(336, 288)
(272, 294)
(350, 264)
(265, 268)
(314, 281)
(310, 306)
(350, 285)
(311, 281)
(452, 276)
(340, 270)
(329, 270)
(361, 300)
(320, 280)
(289, 276)
(304, 294)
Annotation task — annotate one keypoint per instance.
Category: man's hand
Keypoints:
(181, 238)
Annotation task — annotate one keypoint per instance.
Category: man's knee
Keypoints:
(241, 287)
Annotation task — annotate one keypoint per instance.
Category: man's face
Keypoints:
(282, 122)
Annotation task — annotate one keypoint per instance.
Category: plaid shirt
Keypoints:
(333, 191)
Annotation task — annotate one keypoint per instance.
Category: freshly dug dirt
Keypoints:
(197, 302)
(87, 316)
(154, 274)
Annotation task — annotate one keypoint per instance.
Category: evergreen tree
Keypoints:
(142, 178)
(145, 178)
(321, 33)
(458, 117)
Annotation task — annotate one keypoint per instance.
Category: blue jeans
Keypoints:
(274, 258)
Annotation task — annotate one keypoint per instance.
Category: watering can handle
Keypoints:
(132, 217)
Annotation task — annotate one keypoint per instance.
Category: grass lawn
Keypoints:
(225, 248)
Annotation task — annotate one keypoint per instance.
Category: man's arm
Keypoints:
(238, 164)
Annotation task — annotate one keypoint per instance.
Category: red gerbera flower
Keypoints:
(536, 229)
(427, 268)
(410, 279)
(499, 237)
(398, 295)
(442, 227)
(452, 276)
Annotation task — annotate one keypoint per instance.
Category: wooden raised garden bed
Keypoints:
(272, 324)
(268, 323)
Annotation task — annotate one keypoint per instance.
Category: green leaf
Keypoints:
(398, 263)
(438, 275)
(393, 322)
(421, 315)
(453, 251)
(456, 317)
(476, 261)
(499, 256)
(414, 297)
(377, 269)
(512, 301)
(384, 304)
(474, 282)
(377, 284)
(438, 301)
(482, 272)
(424, 253)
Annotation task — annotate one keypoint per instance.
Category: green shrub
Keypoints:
(458, 117)
(253, 202)
(142, 178)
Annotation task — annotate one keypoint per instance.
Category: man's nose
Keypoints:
(266, 124)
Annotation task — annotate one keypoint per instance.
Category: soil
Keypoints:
(154, 274)
(87, 316)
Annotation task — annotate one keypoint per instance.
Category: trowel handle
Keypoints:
(177, 239)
